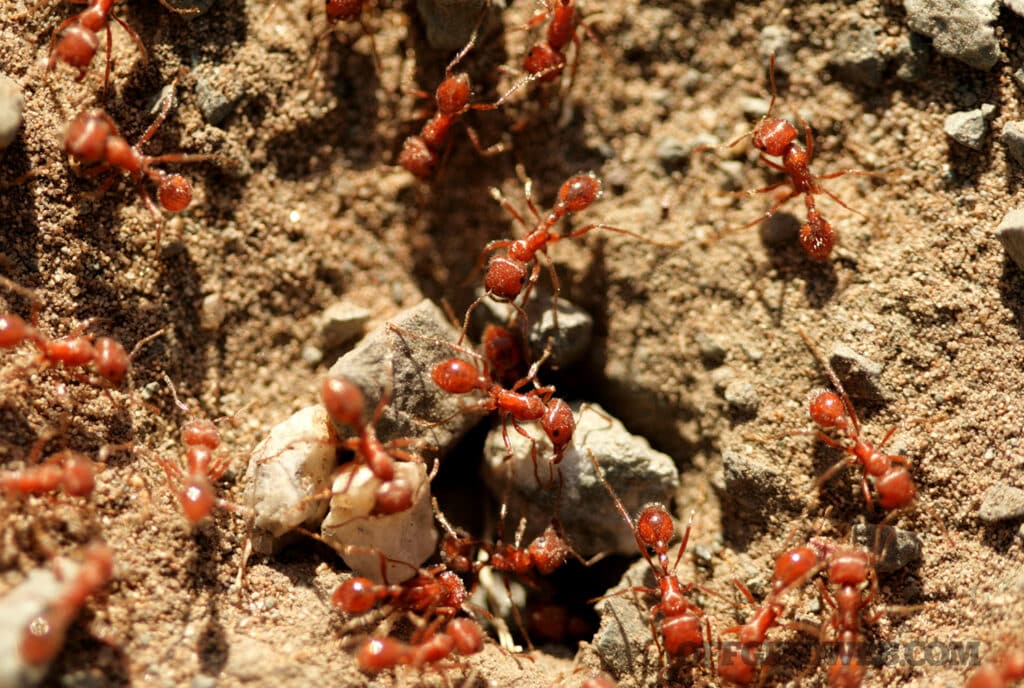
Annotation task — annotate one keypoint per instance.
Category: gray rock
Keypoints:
(1012, 137)
(721, 377)
(1018, 76)
(742, 398)
(958, 28)
(285, 471)
(638, 474)
(1011, 234)
(569, 342)
(860, 375)
(417, 345)
(897, 547)
(342, 322)
(20, 606)
(449, 23)
(1001, 502)
(913, 54)
(623, 639)
(216, 93)
(672, 153)
(12, 103)
(967, 128)
(753, 481)
(712, 352)
(776, 39)
(187, 8)
(857, 57)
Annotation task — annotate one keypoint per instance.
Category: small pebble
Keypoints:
(721, 377)
(860, 374)
(898, 547)
(12, 103)
(672, 153)
(1001, 502)
(967, 128)
(856, 57)
(341, 323)
(1011, 234)
(1012, 137)
(742, 398)
(712, 352)
(216, 94)
(212, 312)
(958, 28)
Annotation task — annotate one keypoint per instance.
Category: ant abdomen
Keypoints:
(455, 376)
(579, 192)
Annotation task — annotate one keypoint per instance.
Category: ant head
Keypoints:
(392, 497)
(196, 498)
(457, 552)
(773, 135)
(544, 61)
(655, 527)
(342, 10)
(559, 424)
(454, 589)
(467, 635)
(505, 277)
(77, 45)
(201, 433)
(453, 94)
(895, 488)
(357, 595)
(175, 193)
(549, 551)
(792, 567)
(79, 477)
(417, 158)
(86, 137)
(455, 376)
(111, 360)
(827, 409)
(343, 400)
(578, 192)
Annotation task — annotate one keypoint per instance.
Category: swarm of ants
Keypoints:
(430, 622)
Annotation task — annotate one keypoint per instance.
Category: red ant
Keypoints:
(78, 44)
(460, 635)
(44, 636)
(517, 269)
(681, 620)
(778, 138)
(93, 139)
(107, 356)
(70, 471)
(1007, 668)
(546, 59)
(436, 590)
(833, 411)
(345, 403)
(421, 153)
(193, 486)
(792, 569)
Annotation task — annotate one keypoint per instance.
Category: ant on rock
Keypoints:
(93, 139)
(889, 472)
(44, 635)
(78, 42)
(681, 620)
(517, 269)
(778, 138)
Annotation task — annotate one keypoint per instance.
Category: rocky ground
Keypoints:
(697, 348)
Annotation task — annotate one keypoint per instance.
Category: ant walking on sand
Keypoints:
(889, 472)
(546, 59)
(93, 139)
(78, 42)
(44, 636)
(681, 620)
(516, 269)
(423, 152)
(430, 646)
(778, 138)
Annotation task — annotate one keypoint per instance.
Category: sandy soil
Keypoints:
(316, 210)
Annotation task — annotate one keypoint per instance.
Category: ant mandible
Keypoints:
(93, 139)
(77, 46)
(778, 138)
(889, 472)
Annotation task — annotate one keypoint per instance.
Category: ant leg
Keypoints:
(828, 475)
(618, 230)
(510, 209)
(527, 190)
(839, 200)
(772, 164)
(469, 44)
(685, 540)
(52, 61)
(135, 37)
(165, 108)
(771, 78)
(808, 136)
(556, 288)
(493, 149)
(866, 491)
